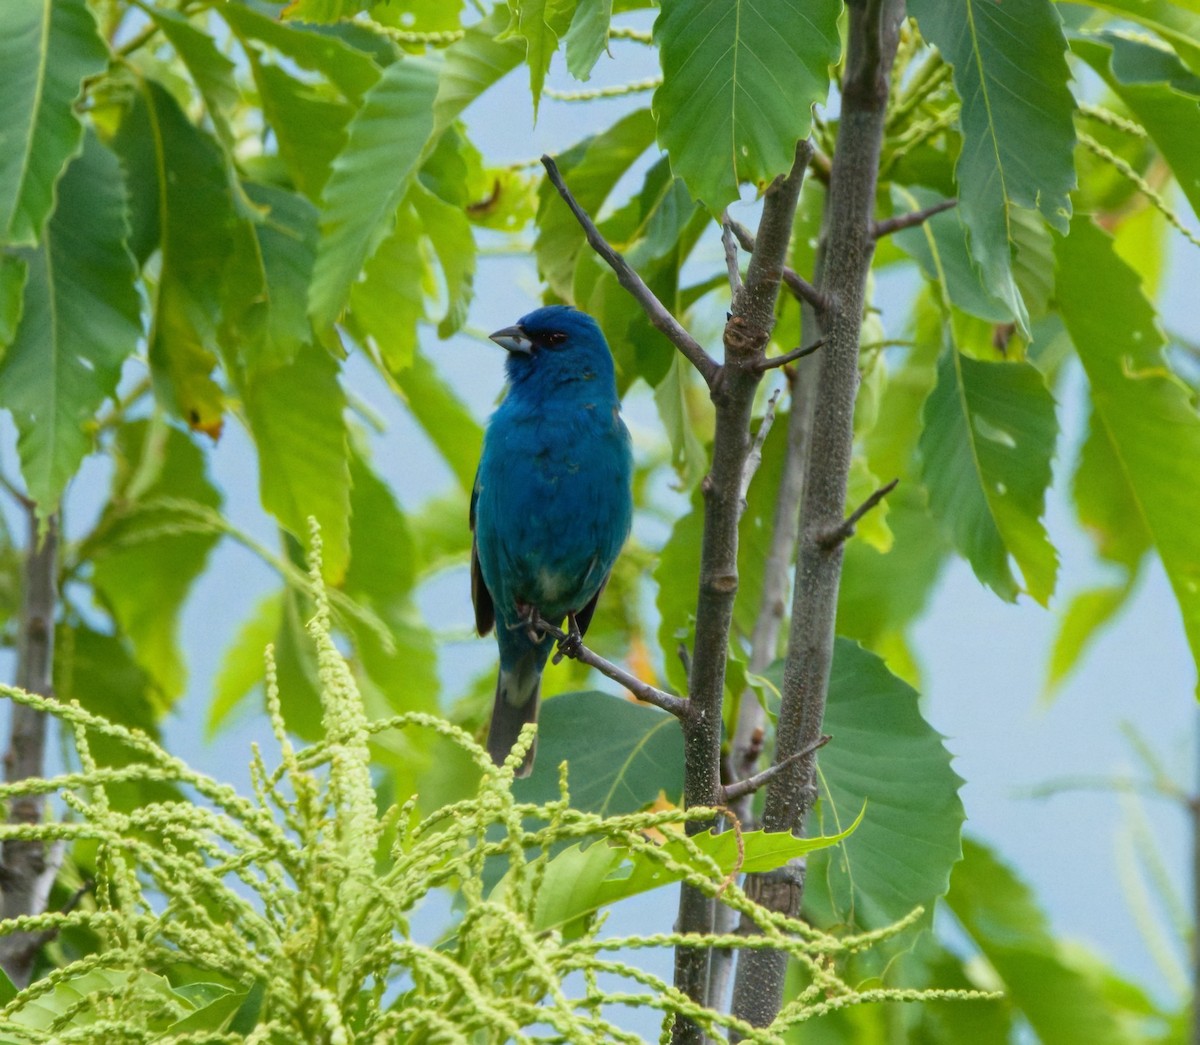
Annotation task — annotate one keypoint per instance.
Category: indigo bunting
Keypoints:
(551, 506)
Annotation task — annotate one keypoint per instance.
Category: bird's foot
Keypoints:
(571, 644)
(529, 620)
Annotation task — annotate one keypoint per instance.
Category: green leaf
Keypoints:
(309, 128)
(580, 880)
(370, 176)
(349, 70)
(1063, 1000)
(1104, 501)
(1145, 411)
(1086, 614)
(147, 556)
(986, 448)
(1180, 27)
(1171, 116)
(886, 756)
(939, 247)
(448, 423)
(296, 415)
(591, 169)
(537, 22)
(383, 564)
(99, 672)
(179, 185)
(388, 302)
(211, 71)
(671, 397)
(677, 579)
(472, 65)
(47, 49)
(1011, 73)
(454, 244)
(13, 273)
(621, 754)
(243, 665)
(80, 319)
(739, 83)
(587, 36)
(287, 244)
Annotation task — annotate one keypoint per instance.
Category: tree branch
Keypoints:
(747, 333)
(790, 357)
(873, 35)
(27, 870)
(906, 221)
(845, 531)
(747, 786)
(655, 311)
(800, 288)
(754, 457)
(644, 692)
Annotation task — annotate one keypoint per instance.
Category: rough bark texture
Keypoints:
(746, 334)
(26, 870)
(873, 35)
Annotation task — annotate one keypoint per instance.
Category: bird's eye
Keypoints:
(556, 338)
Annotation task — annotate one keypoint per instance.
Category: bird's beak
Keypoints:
(513, 339)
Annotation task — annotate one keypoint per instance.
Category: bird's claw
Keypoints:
(531, 621)
(571, 644)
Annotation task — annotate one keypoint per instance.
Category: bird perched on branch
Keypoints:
(551, 506)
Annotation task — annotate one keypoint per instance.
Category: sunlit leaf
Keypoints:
(80, 319)
(739, 83)
(454, 244)
(1145, 411)
(370, 177)
(47, 49)
(587, 36)
(1010, 71)
(146, 557)
(295, 414)
(13, 273)
(1086, 614)
(621, 754)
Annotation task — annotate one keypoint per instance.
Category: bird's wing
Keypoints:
(584, 617)
(481, 598)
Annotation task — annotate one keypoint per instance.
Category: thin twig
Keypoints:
(644, 692)
(906, 221)
(731, 257)
(801, 289)
(754, 457)
(741, 788)
(846, 530)
(655, 311)
(790, 357)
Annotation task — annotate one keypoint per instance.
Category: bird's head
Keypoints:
(557, 343)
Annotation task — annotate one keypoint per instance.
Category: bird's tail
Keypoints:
(518, 691)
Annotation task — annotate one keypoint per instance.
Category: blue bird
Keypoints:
(551, 506)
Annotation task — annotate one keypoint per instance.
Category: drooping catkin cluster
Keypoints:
(281, 918)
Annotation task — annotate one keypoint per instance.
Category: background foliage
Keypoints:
(232, 215)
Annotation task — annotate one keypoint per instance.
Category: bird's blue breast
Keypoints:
(553, 506)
